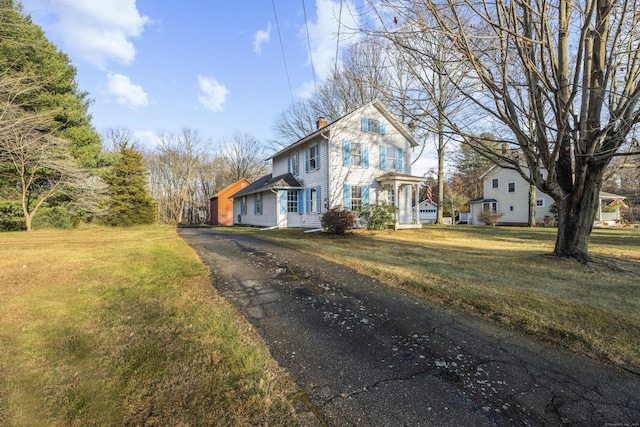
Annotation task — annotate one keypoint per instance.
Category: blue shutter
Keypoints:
(289, 164)
(306, 160)
(300, 202)
(283, 201)
(318, 200)
(347, 196)
(317, 156)
(365, 195)
(399, 158)
(297, 171)
(346, 153)
(383, 157)
(383, 128)
(365, 124)
(255, 204)
(307, 195)
(365, 154)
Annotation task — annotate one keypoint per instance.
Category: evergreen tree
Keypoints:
(130, 202)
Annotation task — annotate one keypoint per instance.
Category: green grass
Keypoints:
(506, 275)
(104, 326)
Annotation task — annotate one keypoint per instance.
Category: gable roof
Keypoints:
(391, 118)
(229, 188)
(268, 182)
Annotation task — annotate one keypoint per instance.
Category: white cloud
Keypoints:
(212, 94)
(100, 31)
(323, 34)
(126, 92)
(261, 37)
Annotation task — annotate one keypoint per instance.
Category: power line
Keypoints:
(284, 58)
(335, 67)
(306, 23)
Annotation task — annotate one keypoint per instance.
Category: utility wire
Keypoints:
(335, 67)
(306, 23)
(284, 58)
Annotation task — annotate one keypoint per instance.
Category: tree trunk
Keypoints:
(575, 221)
(532, 205)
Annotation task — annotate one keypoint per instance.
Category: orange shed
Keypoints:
(222, 206)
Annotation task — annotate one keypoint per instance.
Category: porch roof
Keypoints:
(397, 177)
(268, 182)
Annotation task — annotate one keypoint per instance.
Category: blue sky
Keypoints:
(213, 66)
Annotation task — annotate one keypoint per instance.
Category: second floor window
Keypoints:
(511, 187)
(356, 153)
(312, 158)
(494, 183)
(391, 158)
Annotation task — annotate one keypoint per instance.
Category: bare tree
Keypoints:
(558, 81)
(243, 157)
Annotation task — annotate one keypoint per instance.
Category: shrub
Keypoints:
(378, 216)
(53, 217)
(338, 220)
(490, 217)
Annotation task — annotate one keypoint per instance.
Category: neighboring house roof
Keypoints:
(376, 103)
(610, 196)
(268, 182)
(230, 187)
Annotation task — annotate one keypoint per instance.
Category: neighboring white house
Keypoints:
(506, 191)
(361, 158)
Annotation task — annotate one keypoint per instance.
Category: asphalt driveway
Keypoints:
(370, 355)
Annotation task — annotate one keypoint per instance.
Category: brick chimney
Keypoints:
(322, 122)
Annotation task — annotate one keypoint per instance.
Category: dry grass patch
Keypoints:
(122, 327)
(507, 275)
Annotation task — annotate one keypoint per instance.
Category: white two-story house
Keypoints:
(361, 158)
(507, 192)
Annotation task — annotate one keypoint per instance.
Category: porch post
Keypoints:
(396, 196)
(416, 209)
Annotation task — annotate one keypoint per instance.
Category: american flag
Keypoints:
(427, 187)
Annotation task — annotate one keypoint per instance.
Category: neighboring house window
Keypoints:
(540, 203)
(511, 187)
(490, 206)
(494, 183)
(257, 207)
(292, 201)
(243, 205)
(391, 199)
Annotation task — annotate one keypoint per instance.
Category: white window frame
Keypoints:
(258, 201)
(493, 206)
(292, 201)
(511, 187)
(313, 202)
(392, 159)
(294, 164)
(313, 157)
(495, 183)
(356, 197)
(243, 205)
(374, 126)
(391, 199)
(355, 151)
(540, 203)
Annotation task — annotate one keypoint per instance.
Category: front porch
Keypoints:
(404, 192)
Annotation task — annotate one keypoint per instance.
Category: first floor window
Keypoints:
(493, 206)
(391, 199)
(258, 201)
(356, 197)
(313, 200)
(292, 201)
(243, 205)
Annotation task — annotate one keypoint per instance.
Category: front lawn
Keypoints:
(507, 275)
(113, 327)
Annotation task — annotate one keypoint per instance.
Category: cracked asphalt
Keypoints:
(367, 354)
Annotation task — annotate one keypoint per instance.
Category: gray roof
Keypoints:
(268, 182)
